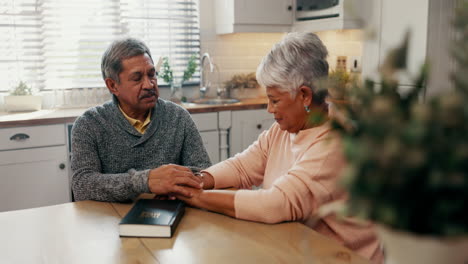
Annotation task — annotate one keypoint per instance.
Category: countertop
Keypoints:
(57, 116)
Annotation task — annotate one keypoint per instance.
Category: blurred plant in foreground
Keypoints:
(408, 159)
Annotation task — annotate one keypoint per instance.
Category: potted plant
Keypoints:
(242, 86)
(21, 99)
(408, 159)
(176, 86)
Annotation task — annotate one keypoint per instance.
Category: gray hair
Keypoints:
(298, 59)
(119, 50)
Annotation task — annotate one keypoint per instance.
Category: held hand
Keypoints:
(174, 179)
(207, 179)
(221, 201)
(193, 200)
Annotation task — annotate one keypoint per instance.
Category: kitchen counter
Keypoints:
(56, 116)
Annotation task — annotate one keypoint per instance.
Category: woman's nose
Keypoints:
(270, 108)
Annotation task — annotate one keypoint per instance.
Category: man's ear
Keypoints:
(112, 86)
(306, 93)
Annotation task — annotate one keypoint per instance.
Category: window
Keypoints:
(58, 44)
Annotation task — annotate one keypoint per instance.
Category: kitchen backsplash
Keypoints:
(242, 52)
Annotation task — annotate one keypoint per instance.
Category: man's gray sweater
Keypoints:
(111, 159)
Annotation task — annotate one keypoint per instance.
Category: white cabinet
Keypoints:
(246, 127)
(207, 124)
(33, 167)
(253, 16)
(390, 20)
(211, 142)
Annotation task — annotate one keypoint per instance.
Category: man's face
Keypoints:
(138, 88)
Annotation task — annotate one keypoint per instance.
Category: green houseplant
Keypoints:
(176, 86)
(408, 157)
(22, 99)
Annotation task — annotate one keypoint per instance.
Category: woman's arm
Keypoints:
(308, 184)
(244, 169)
(220, 201)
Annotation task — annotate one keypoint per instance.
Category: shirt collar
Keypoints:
(137, 124)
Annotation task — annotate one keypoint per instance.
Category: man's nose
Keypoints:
(147, 83)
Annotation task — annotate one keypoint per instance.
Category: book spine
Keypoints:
(178, 217)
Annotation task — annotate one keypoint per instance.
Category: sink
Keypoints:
(215, 101)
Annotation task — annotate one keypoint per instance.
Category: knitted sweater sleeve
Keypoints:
(88, 183)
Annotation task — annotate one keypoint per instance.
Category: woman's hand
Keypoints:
(194, 200)
(221, 201)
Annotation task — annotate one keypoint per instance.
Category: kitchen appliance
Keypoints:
(320, 15)
(317, 9)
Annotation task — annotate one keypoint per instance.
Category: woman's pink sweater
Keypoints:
(299, 173)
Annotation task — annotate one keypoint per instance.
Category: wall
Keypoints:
(242, 52)
(439, 42)
(232, 53)
(347, 43)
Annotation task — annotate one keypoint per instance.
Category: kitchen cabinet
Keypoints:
(389, 22)
(234, 16)
(33, 167)
(246, 127)
(207, 124)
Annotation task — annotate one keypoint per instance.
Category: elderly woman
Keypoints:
(297, 161)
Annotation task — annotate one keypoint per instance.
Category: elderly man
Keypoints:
(131, 145)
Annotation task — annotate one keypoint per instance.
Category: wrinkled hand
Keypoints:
(174, 180)
(192, 200)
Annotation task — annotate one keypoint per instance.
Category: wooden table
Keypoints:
(87, 232)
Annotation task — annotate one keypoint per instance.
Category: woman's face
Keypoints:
(289, 112)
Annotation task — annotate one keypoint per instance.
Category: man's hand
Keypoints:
(173, 179)
(207, 179)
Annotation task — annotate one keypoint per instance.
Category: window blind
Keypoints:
(21, 55)
(58, 44)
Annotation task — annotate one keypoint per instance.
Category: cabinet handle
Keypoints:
(19, 137)
(289, 7)
(259, 126)
(62, 166)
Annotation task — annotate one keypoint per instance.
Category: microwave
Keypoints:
(317, 9)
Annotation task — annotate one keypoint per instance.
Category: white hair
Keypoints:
(298, 59)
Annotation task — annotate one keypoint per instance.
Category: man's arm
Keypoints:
(89, 183)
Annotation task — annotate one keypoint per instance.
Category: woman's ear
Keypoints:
(112, 86)
(306, 93)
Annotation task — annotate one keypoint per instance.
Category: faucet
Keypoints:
(204, 84)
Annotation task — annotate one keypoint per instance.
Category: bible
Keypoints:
(152, 218)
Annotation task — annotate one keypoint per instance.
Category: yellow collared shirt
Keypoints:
(137, 124)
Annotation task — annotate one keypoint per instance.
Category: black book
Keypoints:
(152, 218)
